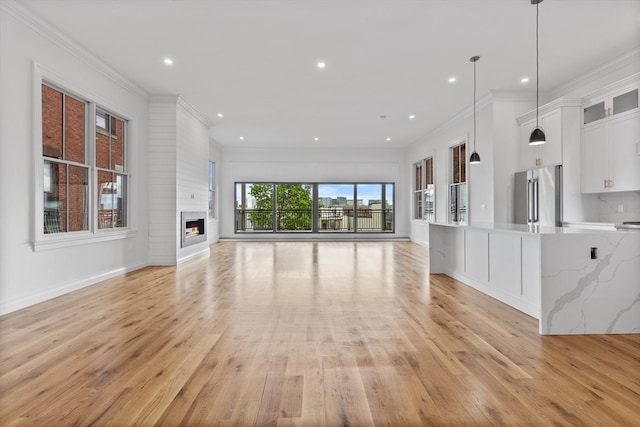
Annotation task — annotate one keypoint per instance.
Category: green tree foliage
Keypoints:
(294, 206)
(262, 215)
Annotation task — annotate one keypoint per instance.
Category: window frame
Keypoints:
(45, 241)
(420, 194)
(114, 170)
(458, 187)
(212, 191)
(240, 202)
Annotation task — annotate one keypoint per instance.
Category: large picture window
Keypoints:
(69, 172)
(313, 207)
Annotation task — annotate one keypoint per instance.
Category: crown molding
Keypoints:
(28, 17)
(630, 81)
(550, 106)
(631, 57)
(182, 102)
(461, 115)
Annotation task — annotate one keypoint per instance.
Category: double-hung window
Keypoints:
(65, 162)
(458, 186)
(110, 165)
(85, 177)
(424, 190)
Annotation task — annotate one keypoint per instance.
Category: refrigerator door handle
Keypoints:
(529, 201)
(535, 201)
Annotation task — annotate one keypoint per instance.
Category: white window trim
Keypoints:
(455, 142)
(215, 193)
(40, 240)
(423, 162)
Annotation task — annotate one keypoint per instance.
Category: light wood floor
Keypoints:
(304, 334)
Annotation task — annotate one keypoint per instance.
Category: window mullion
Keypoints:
(92, 163)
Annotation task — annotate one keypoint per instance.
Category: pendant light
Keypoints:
(537, 135)
(475, 157)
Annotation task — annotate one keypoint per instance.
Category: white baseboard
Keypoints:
(204, 252)
(19, 303)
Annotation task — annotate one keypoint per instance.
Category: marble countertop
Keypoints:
(527, 229)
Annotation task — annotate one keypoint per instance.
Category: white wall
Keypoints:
(163, 224)
(479, 177)
(311, 165)
(505, 151)
(192, 172)
(179, 164)
(28, 276)
(215, 155)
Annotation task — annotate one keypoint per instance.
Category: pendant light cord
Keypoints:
(474, 106)
(537, 70)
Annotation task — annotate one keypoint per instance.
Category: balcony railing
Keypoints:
(328, 220)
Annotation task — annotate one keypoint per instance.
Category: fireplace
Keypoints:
(193, 228)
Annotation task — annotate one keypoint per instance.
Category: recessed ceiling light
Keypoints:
(220, 114)
(315, 138)
(168, 61)
(412, 116)
(321, 64)
(452, 79)
(242, 137)
(524, 80)
(388, 139)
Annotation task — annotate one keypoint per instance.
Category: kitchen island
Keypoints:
(574, 281)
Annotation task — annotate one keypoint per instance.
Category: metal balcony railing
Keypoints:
(328, 220)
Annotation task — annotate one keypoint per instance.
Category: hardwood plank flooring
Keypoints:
(304, 334)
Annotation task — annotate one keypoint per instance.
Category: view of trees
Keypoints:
(294, 206)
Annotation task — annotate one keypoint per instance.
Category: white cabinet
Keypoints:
(610, 146)
(559, 121)
(477, 254)
(505, 263)
(546, 154)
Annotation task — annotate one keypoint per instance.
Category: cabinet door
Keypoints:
(625, 161)
(594, 158)
(549, 153)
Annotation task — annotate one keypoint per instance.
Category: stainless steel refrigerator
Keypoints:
(537, 196)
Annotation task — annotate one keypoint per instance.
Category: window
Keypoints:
(418, 189)
(112, 177)
(458, 186)
(70, 172)
(424, 190)
(212, 190)
(312, 207)
(65, 168)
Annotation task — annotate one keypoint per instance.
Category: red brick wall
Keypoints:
(66, 143)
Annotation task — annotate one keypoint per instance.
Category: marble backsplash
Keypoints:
(610, 205)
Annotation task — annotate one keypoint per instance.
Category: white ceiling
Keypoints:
(255, 60)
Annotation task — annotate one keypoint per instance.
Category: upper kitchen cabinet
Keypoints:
(556, 123)
(610, 146)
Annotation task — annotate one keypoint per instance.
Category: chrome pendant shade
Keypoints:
(475, 157)
(537, 136)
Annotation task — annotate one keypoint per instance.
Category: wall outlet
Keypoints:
(620, 208)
